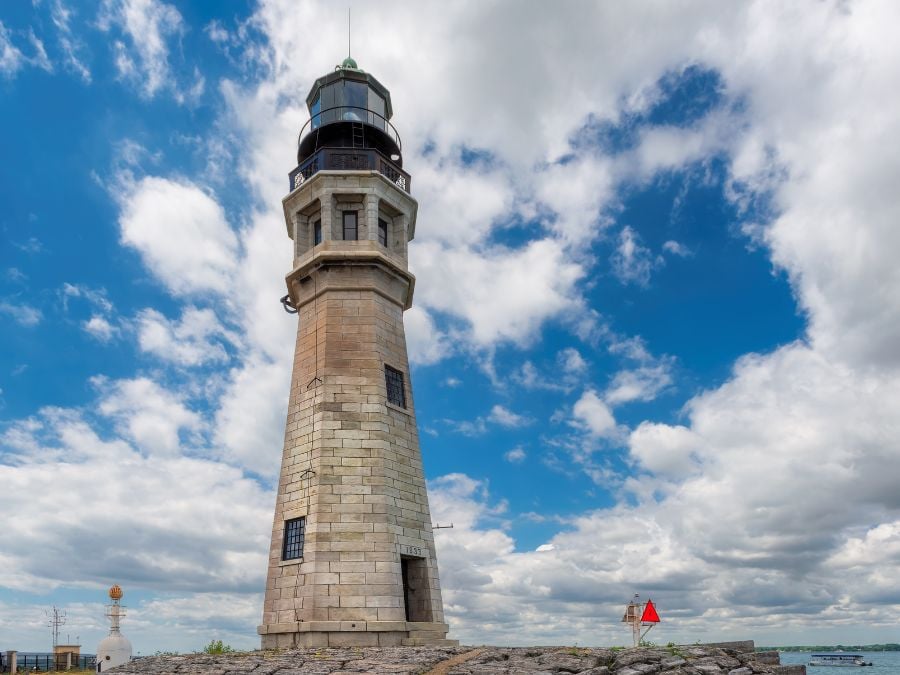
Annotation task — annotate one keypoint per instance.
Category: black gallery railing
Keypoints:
(350, 113)
(349, 159)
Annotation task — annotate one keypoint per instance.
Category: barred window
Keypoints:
(350, 231)
(294, 531)
(393, 378)
(317, 232)
(382, 232)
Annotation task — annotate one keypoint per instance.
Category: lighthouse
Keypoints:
(352, 560)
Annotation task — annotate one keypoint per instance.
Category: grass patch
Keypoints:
(674, 650)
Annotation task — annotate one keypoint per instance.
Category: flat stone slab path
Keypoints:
(674, 660)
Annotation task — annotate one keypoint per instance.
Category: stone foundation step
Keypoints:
(428, 634)
(428, 642)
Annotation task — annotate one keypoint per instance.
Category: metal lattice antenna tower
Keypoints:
(55, 619)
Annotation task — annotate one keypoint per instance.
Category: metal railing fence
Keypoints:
(30, 662)
(349, 159)
(350, 113)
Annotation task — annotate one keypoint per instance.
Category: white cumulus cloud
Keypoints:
(632, 262)
(100, 328)
(639, 384)
(181, 233)
(147, 25)
(196, 338)
(11, 57)
(148, 415)
(515, 456)
(592, 414)
(22, 314)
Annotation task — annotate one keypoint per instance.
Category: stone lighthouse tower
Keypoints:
(352, 561)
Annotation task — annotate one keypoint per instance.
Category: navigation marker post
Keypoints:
(639, 615)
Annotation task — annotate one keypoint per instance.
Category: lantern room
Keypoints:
(349, 108)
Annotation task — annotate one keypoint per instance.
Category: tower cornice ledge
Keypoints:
(325, 181)
(363, 253)
(352, 626)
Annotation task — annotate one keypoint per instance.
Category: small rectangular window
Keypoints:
(294, 531)
(350, 231)
(382, 232)
(393, 379)
(317, 233)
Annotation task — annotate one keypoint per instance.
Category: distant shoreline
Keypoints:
(889, 647)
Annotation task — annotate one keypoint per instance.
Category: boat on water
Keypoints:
(847, 660)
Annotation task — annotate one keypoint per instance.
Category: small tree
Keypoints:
(218, 647)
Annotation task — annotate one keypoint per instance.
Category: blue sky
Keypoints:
(654, 333)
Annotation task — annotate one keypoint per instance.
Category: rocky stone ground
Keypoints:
(677, 660)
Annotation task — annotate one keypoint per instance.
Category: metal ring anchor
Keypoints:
(288, 305)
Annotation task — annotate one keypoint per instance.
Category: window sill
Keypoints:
(292, 561)
(405, 411)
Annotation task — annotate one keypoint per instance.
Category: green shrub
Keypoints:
(218, 647)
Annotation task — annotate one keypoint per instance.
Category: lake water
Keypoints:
(883, 663)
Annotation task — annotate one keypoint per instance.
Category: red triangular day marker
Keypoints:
(650, 615)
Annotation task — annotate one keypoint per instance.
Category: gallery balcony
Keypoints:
(349, 138)
(349, 159)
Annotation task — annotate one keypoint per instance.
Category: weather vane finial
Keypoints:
(348, 33)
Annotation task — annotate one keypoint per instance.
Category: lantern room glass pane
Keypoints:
(355, 99)
(327, 96)
(314, 111)
(376, 105)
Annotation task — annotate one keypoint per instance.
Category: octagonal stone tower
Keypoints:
(352, 561)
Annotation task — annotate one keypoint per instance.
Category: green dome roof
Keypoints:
(349, 63)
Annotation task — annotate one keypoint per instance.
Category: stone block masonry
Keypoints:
(352, 561)
(351, 464)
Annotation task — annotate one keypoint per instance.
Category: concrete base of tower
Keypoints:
(354, 634)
